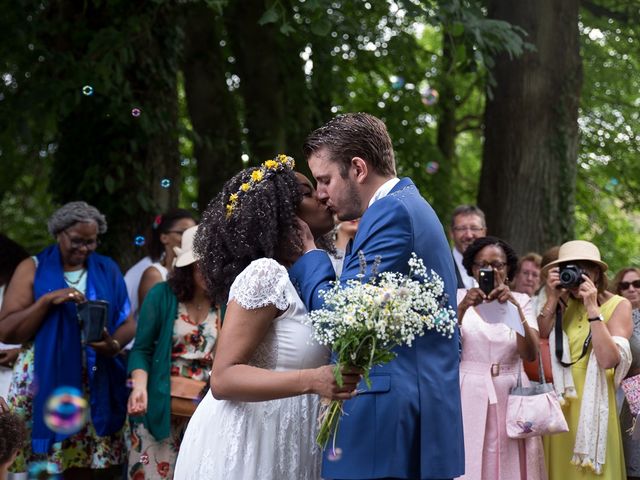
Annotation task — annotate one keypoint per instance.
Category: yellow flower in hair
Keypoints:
(257, 175)
(271, 164)
(244, 187)
(233, 198)
(229, 210)
(282, 157)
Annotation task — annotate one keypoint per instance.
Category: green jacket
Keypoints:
(151, 352)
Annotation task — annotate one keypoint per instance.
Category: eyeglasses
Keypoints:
(627, 285)
(494, 265)
(464, 229)
(78, 243)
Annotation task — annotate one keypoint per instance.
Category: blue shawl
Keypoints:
(58, 350)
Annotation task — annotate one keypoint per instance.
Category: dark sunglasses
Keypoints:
(626, 285)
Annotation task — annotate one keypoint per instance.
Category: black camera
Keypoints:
(570, 276)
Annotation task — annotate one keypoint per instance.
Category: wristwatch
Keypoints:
(599, 318)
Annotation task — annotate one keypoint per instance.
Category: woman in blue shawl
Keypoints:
(40, 310)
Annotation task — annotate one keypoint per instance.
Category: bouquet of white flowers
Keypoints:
(362, 322)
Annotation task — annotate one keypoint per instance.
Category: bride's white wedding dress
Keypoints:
(261, 440)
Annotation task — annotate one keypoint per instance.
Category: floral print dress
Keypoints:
(191, 357)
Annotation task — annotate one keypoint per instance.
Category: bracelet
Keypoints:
(523, 322)
(545, 313)
(117, 344)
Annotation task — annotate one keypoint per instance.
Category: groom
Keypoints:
(408, 424)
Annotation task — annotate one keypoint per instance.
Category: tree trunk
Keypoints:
(527, 184)
(115, 151)
(261, 82)
(446, 136)
(212, 107)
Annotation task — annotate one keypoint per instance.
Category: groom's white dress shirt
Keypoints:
(384, 190)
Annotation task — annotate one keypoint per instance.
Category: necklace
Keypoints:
(77, 282)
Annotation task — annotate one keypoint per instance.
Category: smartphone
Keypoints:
(93, 318)
(485, 280)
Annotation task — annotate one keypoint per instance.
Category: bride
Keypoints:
(259, 419)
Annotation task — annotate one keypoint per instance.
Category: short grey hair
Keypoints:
(75, 212)
(468, 210)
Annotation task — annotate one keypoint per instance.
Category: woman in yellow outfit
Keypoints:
(590, 310)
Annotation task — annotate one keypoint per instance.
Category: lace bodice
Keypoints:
(270, 440)
(262, 283)
(287, 345)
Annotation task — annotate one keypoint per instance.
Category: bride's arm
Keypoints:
(232, 379)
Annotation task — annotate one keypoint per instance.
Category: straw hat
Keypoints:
(576, 250)
(184, 253)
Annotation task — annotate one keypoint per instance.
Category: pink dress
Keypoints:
(488, 370)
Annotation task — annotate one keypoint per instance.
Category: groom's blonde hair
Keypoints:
(354, 135)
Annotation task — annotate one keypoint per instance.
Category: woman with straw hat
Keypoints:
(176, 335)
(596, 326)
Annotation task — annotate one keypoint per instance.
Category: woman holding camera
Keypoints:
(597, 325)
(40, 307)
(491, 361)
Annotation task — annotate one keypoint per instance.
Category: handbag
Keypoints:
(631, 388)
(534, 410)
(186, 393)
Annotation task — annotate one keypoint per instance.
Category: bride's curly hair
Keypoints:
(263, 224)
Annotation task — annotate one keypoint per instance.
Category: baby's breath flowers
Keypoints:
(362, 322)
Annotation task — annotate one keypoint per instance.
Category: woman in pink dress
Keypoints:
(491, 360)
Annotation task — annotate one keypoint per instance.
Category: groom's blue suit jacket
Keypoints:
(409, 424)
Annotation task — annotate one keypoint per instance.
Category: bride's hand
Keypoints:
(137, 404)
(308, 242)
(325, 384)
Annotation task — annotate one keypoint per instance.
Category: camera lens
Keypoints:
(567, 277)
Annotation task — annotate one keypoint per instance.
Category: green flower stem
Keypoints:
(329, 426)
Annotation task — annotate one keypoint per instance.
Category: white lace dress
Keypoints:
(260, 440)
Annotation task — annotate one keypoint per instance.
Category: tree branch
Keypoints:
(468, 122)
(600, 11)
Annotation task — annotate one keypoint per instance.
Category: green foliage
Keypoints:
(97, 148)
(332, 56)
(609, 169)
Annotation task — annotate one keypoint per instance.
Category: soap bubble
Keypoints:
(135, 112)
(396, 82)
(87, 90)
(43, 471)
(165, 183)
(334, 454)
(429, 96)
(139, 241)
(432, 167)
(66, 411)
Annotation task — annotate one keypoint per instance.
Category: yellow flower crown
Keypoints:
(268, 168)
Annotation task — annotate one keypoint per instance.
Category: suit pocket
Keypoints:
(379, 384)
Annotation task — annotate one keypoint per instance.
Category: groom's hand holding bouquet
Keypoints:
(363, 321)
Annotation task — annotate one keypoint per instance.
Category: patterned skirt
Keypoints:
(84, 449)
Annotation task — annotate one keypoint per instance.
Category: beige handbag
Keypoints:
(185, 395)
